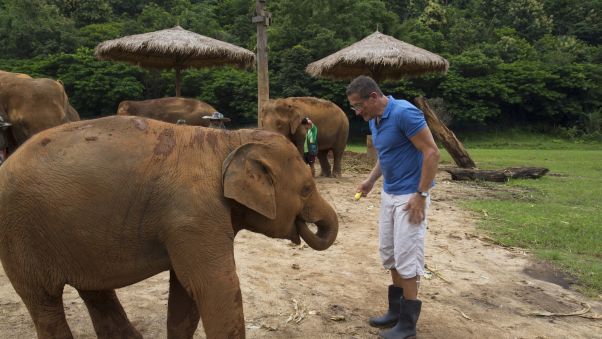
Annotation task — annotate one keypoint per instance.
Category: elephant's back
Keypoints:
(113, 161)
(169, 109)
(321, 110)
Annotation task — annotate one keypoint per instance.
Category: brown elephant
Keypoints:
(170, 109)
(284, 116)
(105, 203)
(31, 105)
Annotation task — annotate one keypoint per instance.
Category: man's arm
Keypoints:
(366, 186)
(424, 142)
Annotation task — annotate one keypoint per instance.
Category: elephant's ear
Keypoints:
(248, 179)
(295, 121)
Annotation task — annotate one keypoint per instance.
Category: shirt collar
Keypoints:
(388, 108)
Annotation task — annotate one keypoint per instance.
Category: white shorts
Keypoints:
(401, 243)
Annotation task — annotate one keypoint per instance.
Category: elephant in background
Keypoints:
(284, 116)
(30, 106)
(170, 109)
(124, 198)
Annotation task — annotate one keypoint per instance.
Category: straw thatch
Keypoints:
(380, 56)
(174, 48)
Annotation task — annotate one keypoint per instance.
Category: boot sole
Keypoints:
(382, 326)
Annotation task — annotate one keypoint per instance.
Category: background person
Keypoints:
(310, 147)
(407, 159)
(217, 120)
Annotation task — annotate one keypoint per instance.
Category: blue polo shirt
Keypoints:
(400, 161)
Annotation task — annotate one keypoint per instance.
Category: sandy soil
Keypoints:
(477, 289)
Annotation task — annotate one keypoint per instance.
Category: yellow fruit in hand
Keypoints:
(358, 195)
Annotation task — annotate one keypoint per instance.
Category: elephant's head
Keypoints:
(285, 119)
(276, 195)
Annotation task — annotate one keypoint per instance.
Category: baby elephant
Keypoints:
(102, 204)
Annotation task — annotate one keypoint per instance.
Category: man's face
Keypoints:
(363, 106)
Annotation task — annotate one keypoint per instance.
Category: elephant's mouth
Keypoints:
(299, 224)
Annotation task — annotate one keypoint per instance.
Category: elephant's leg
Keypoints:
(108, 316)
(182, 314)
(337, 160)
(46, 310)
(204, 265)
(323, 157)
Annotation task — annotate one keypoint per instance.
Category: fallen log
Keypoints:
(502, 175)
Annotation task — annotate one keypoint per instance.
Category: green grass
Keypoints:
(559, 216)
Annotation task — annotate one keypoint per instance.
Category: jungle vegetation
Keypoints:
(527, 63)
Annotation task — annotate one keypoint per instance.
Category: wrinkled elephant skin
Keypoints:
(169, 110)
(284, 116)
(106, 203)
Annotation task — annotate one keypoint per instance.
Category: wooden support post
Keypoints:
(441, 133)
(370, 150)
(178, 80)
(262, 18)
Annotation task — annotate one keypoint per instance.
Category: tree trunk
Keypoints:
(442, 134)
(497, 175)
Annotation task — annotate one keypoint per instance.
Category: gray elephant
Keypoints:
(284, 116)
(105, 203)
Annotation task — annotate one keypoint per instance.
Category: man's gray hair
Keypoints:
(363, 85)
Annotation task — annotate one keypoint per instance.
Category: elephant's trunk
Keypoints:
(328, 228)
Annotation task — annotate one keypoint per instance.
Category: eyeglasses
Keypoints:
(357, 107)
(360, 106)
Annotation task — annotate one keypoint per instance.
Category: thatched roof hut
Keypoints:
(174, 48)
(379, 56)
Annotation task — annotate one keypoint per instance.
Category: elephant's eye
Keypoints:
(306, 191)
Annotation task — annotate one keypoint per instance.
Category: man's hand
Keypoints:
(365, 187)
(416, 206)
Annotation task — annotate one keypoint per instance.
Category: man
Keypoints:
(216, 120)
(407, 159)
(4, 139)
(310, 147)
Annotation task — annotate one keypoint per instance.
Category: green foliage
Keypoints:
(94, 87)
(33, 27)
(232, 92)
(516, 62)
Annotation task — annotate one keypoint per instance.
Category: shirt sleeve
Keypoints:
(412, 121)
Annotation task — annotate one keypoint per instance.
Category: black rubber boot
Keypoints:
(390, 318)
(408, 317)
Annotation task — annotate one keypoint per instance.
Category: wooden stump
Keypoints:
(442, 134)
(370, 150)
(497, 175)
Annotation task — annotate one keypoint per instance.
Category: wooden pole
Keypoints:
(178, 80)
(262, 18)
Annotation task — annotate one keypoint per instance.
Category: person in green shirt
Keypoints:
(310, 147)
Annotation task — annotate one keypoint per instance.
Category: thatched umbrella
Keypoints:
(385, 58)
(380, 56)
(174, 48)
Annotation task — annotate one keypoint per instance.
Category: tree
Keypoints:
(33, 27)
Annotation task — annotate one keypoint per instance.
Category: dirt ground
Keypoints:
(477, 289)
